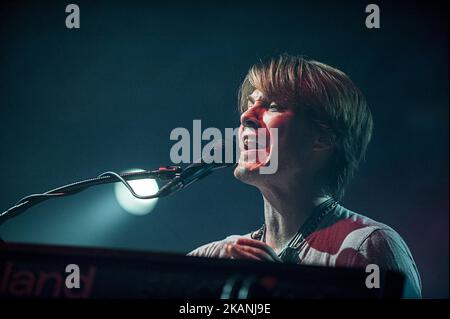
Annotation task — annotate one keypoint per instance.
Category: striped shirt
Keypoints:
(339, 238)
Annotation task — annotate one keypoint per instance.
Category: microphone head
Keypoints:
(216, 156)
(220, 154)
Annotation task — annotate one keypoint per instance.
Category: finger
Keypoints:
(260, 253)
(258, 244)
(236, 252)
(251, 242)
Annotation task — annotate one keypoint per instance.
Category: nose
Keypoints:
(250, 118)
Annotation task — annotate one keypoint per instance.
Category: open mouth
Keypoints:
(253, 143)
(259, 152)
(255, 151)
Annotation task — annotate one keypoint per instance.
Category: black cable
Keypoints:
(166, 173)
(128, 186)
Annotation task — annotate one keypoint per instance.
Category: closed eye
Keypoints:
(273, 107)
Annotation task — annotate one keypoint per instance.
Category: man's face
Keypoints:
(292, 147)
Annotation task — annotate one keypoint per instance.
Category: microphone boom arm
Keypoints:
(163, 173)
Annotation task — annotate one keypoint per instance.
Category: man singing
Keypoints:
(323, 127)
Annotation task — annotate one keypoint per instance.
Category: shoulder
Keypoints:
(348, 229)
(342, 229)
(216, 249)
(366, 241)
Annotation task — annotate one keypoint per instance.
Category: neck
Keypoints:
(285, 211)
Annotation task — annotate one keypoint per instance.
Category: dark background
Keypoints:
(75, 103)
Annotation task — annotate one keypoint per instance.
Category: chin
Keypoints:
(248, 172)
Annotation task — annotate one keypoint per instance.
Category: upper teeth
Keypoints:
(255, 143)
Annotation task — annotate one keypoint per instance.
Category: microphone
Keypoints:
(196, 171)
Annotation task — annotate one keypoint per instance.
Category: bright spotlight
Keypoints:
(143, 187)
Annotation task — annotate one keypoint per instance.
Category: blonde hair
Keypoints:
(329, 99)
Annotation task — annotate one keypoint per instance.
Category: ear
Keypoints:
(323, 141)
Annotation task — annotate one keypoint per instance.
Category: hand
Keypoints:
(246, 248)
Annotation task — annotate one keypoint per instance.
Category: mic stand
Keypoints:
(163, 173)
